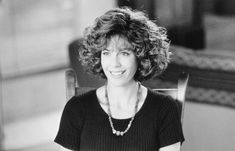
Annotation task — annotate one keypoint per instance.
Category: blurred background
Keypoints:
(38, 43)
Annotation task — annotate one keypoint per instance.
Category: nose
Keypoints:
(115, 60)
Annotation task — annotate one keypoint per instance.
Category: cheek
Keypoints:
(103, 62)
(132, 66)
(104, 67)
(135, 67)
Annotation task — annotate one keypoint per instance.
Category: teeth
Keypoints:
(116, 72)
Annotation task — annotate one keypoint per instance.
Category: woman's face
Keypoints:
(119, 61)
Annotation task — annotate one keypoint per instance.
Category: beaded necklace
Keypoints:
(116, 132)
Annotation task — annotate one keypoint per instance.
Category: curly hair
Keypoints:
(150, 42)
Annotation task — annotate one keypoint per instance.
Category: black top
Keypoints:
(85, 126)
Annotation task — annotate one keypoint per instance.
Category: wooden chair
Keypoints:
(178, 93)
(73, 89)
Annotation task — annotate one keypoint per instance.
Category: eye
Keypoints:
(105, 53)
(125, 53)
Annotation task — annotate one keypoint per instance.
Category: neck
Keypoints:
(122, 95)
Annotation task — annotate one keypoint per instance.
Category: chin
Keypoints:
(119, 82)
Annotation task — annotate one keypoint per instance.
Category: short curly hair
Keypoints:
(150, 42)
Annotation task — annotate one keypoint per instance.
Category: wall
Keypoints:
(88, 10)
(174, 12)
(34, 38)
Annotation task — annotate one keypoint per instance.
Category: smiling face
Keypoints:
(119, 61)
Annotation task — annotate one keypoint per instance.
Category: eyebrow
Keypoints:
(125, 48)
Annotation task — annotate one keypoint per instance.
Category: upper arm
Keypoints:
(70, 125)
(173, 147)
(170, 131)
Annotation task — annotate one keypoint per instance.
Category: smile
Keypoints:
(116, 73)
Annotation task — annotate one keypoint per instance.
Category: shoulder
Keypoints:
(163, 101)
(160, 97)
(167, 108)
(80, 101)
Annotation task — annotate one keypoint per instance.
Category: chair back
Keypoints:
(178, 94)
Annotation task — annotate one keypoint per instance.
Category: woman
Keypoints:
(124, 47)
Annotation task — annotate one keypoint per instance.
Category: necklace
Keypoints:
(116, 132)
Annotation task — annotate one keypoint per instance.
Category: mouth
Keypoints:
(116, 73)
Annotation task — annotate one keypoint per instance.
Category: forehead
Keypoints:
(118, 42)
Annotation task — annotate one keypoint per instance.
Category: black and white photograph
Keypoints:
(117, 75)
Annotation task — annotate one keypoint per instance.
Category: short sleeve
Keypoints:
(170, 131)
(70, 126)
